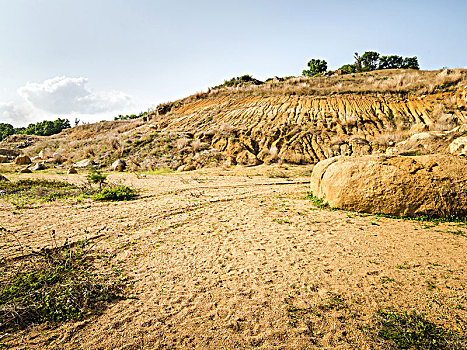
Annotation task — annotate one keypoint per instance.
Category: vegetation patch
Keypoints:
(118, 193)
(413, 331)
(27, 191)
(55, 285)
(317, 202)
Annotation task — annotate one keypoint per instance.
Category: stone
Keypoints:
(4, 159)
(38, 166)
(57, 158)
(119, 165)
(84, 163)
(22, 160)
(25, 171)
(186, 167)
(459, 146)
(432, 185)
(72, 170)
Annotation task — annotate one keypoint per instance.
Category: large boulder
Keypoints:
(432, 185)
(22, 160)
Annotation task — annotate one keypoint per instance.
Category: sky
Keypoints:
(93, 60)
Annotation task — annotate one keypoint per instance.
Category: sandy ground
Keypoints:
(236, 259)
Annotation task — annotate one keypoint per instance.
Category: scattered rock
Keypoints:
(119, 165)
(57, 158)
(72, 170)
(22, 160)
(433, 185)
(459, 146)
(84, 163)
(38, 166)
(186, 167)
(4, 159)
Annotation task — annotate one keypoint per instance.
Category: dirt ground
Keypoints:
(238, 258)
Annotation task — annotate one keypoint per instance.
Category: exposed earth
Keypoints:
(224, 258)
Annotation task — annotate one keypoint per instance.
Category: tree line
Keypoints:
(367, 62)
(44, 128)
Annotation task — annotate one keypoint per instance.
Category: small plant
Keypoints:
(118, 193)
(54, 285)
(95, 176)
(413, 331)
(317, 202)
(386, 279)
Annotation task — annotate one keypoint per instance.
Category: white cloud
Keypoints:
(17, 114)
(65, 95)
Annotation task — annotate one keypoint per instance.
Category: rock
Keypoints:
(72, 170)
(247, 158)
(38, 166)
(57, 158)
(459, 146)
(22, 160)
(25, 171)
(42, 155)
(4, 159)
(3, 178)
(433, 185)
(186, 167)
(119, 165)
(35, 159)
(84, 163)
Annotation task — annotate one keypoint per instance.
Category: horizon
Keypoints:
(95, 61)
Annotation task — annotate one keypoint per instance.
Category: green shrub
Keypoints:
(55, 285)
(95, 176)
(119, 193)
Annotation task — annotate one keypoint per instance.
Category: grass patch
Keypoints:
(413, 331)
(25, 192)
(118, 193)
(317, 202)
(54, 285)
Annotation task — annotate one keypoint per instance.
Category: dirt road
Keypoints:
(235, 259)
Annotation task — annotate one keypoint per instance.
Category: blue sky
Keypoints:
(97, 59)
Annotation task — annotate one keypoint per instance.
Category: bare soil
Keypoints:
(238, 258)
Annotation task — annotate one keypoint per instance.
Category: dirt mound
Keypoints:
(432, 185)
(298, 120)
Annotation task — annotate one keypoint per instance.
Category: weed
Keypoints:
(54, 285)
(118, 193)
(413, 331)
(317, 202)
(402, 267)
(386, 279)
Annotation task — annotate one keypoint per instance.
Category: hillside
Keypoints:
(295, 120)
